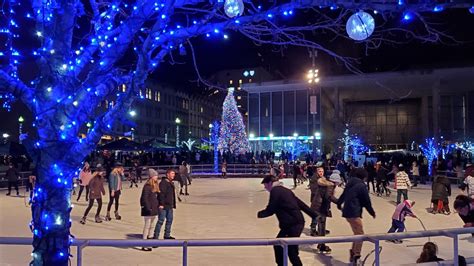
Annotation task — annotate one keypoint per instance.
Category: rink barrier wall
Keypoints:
(284, 242)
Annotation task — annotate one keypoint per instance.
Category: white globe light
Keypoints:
(360, 26)
(233, 8)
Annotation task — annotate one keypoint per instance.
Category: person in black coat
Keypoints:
(12, 175)
(355, 197)
(287, 208)
(149, 204)
(167, 199)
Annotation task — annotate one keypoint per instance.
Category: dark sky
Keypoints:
(238, 52)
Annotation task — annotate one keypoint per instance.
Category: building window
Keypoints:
(149, 94)
(250, 80)
(124, 87)
(231, 82)
(157, 96)
(141, 93)
(239, 97)
(202, 122)
(202, 110)
(239, 88)
(240, 81)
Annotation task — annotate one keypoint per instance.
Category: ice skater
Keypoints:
(398, 218)
(96, 185)
(149, 204)
(287, 208)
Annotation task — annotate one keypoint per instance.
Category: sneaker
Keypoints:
(446, 213)
(169, 237)
(83, 220)
(314, 232)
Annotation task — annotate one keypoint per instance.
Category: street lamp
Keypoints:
(20, 127)
(5, 137)
(313, 76)
(177, 121)
(132, 113)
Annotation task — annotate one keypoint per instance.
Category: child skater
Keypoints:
(398, 218)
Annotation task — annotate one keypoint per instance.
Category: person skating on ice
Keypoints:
(398, 218)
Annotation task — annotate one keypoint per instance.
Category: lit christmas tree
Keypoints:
(431, 152)
(65, 58)
(352, 145)
(232, 133)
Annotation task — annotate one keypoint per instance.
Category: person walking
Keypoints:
(415, 172)
(371, 176)
(321, 204)
(167, 200)
(12, 175)
(115, 188)
(287, 208)
(84, 177)
(96, 189)
(149, 204)
(382, 180)
(402, 183)
(353, 199)
(133, 175)
(183, 174)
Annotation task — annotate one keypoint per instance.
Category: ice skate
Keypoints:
(98, 219)
(117, 216)
(322, 248)
(83, 220)
(107, 217)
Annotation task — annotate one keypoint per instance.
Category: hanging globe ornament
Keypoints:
(233, 8)
(360, 26)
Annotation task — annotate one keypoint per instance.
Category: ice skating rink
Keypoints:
(227, 208)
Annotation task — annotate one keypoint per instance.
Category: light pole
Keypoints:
(177, 121)
(132, 113)
(20, 127)
(313, 78)
(5, 137)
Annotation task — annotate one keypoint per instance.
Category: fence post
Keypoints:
(185, 253)
(79, 255)
(285, 254)
(377, 253)
(456, 250)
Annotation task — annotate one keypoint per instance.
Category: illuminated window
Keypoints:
(124, 87)
(239, 97)
(250, 80)
(202, 110)
(141, 93)
(148, 94)
(231, 82)
(240, 81)
(159, 97)
(202, 122)
(239, 88)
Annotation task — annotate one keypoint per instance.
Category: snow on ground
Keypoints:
(226, 208)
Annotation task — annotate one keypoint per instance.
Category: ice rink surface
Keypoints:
(227, 208)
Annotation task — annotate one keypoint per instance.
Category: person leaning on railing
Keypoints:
(465, 208)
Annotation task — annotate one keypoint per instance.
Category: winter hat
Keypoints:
(152, 172)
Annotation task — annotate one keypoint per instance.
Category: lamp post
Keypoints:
(5, 137)
(313, 79)
(20, 127)
(132, 113)
(177, 121)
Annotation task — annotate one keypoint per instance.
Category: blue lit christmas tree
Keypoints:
(431, 151)
(82, 53)
(353, 145)
(232, 135)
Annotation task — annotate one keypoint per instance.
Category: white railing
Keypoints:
(284, 242)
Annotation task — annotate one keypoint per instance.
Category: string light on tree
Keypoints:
(233, 8)
(431, 151)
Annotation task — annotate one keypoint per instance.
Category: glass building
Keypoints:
(284, 117)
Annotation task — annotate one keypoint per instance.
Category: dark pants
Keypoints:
(294, 231)
(164, 214)
(80, 192)
(321, 225)
(91, 203)
(115, 198)
(397, 226)
(373, 185)
(401, 192)
(15, 184)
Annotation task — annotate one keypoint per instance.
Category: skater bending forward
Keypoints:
(287, 208)
(398, 218)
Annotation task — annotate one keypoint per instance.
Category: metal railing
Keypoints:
(284, 242)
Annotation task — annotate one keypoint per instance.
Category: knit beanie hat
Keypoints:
(152, 172)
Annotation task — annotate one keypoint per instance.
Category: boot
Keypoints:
(117, 216)
(107, 217)
(181, 192)
(8, 194)
(324, 249)
(98, 219)
(314, 232)
(83, 220)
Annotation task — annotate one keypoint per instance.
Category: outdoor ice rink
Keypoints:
(227, 208)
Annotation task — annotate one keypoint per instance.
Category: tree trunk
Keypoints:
(51, 208)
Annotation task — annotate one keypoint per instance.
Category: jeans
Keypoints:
(162, 215)
(91, 203)
(397, 226)
(293, 253)
(357, 229)
(115, 198)
(401, 192)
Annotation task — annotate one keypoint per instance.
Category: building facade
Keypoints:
(387, 110)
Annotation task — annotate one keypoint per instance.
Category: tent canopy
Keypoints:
(122, 145)
(158, 145)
